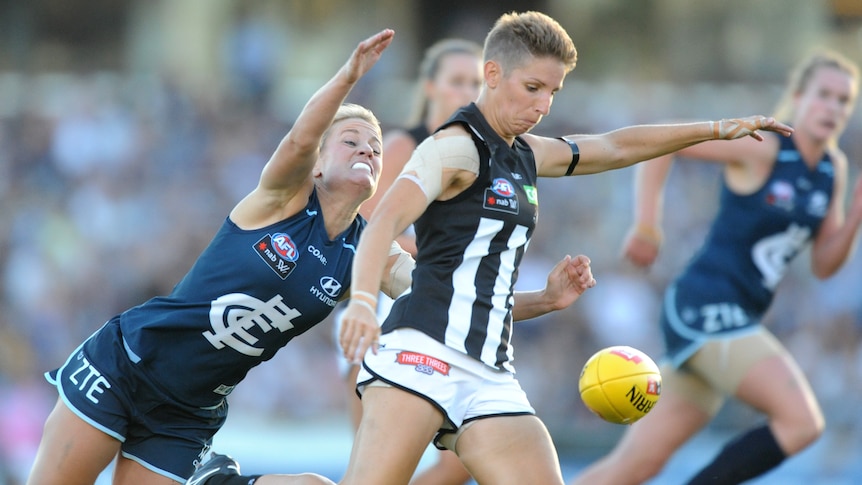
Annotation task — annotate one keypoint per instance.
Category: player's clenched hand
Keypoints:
(740, 127)
(366, 54)
(359, 330)
(641, 246)
(568, 280)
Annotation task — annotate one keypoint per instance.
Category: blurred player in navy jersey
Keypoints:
(779, 197)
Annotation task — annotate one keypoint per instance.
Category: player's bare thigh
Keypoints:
(509, 450)
(72, 451)
(395, 430)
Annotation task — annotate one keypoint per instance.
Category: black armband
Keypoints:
(576, 156)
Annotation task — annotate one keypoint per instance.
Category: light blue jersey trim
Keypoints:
(87, 419)
(59, 384)
(153, 468)
(135, 358)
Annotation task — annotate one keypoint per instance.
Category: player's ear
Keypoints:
(493, 73)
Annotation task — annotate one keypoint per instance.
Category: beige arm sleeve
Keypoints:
(425, 167)
(400, 274)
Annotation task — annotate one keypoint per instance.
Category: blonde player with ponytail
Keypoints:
(778, 197)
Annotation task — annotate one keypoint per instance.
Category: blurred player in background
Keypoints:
(149, 389)
(450, 75)
(442, 370)
(778, 197)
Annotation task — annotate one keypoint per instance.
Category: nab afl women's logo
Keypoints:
(284, 246)
(501, 197)
(502, 187)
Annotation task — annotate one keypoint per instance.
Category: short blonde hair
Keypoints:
(349, 111)
(516, 38)
(801, 76)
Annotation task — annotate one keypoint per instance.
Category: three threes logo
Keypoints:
(424, 363)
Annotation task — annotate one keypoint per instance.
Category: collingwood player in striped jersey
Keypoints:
(440, 367)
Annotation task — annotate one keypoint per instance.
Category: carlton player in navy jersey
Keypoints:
(148, 389)
(778, 197)
(442, 368)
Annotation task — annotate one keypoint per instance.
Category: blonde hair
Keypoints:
(801, 76)
(516, 38)
(430, 66)
(349, 111)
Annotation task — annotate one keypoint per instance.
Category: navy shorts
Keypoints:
(690, 318)
(104, 388)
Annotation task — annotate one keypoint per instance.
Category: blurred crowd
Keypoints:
(111, 184)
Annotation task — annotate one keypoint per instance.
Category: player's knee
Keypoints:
(811, 429)
(799, 431)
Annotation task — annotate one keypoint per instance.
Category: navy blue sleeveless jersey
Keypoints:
(469, 249)
(247, 295)
(731, 281)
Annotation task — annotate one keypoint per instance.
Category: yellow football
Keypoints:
(620, 384)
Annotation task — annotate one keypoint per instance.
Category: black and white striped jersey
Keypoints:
(469, 250)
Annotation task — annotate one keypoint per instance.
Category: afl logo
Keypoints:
(284, 246)
(502, 187)
(330, 286)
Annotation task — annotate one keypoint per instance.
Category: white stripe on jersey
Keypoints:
(501, 293)
(463, 280)
(460, 310)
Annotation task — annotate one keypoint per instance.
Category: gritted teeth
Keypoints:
(361, 166)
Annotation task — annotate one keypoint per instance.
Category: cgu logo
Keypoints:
(284, 246)
(502, 187)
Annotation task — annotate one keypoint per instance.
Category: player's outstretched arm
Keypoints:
(297, 153)
(627, 146)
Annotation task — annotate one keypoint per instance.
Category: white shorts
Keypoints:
(461, 387)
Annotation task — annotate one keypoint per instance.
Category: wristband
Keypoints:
(371, 297)
(649, 233)
(715, 127)
(365, 304)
